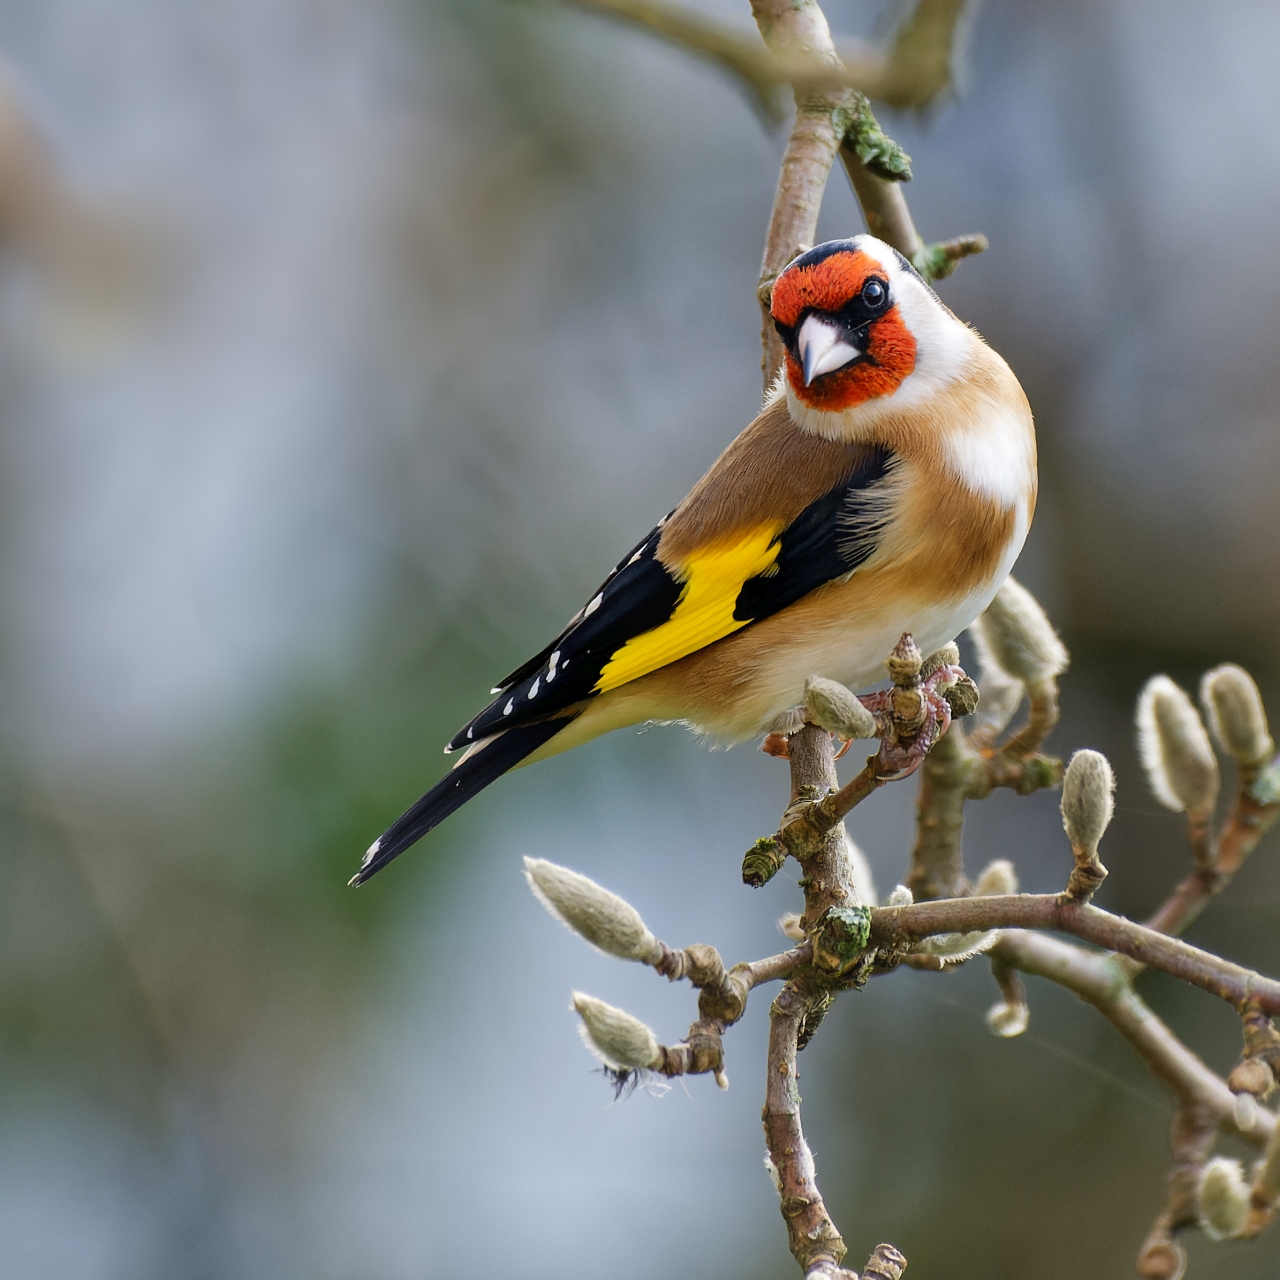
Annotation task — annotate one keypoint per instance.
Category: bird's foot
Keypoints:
(913, 714)
(907, 718)
(787, 722)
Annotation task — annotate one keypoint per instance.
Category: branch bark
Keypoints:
(793, 224)
(810, 1232)
(1250, 819)
(898, 927)
(1098, 979)
(884, 206)
(912, 72)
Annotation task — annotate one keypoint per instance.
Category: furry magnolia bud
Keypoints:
(603, 918)
(1088, 799)
(614, 1036)
(1015, 635)
(1175, 750)
(1008, 1020)
(1224, 1199)
(956, 948)
(836, 709)
(947, 656)
(1001, 694)
(1236, 715)
(998, 878)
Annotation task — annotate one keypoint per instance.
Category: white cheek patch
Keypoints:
(992, 455)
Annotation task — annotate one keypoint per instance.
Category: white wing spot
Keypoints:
(635, 557)
(497, 688)
(471, 733)
(591, 608)
(511, 702)
(551, 667)
(372, 851)
(534, 687)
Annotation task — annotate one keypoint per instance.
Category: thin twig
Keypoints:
(1103, 983)
(914, 71)
(884, 206)
(898, 927)
(1250, 819)
(793, 225)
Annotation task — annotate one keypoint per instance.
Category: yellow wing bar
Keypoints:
(713, 577)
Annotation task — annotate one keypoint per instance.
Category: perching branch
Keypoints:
(846, 942)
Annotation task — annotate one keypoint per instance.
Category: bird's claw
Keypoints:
(910, 717)
(913, 714)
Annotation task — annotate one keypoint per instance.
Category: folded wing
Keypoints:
(650, 613)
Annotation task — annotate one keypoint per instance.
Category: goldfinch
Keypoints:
(886, 486)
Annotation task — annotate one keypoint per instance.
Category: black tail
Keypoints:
(469, 778)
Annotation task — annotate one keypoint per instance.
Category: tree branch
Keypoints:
(958, 770)
(912, 72)
(1099, 980)
(810, 1232)
(1252, 816)
(898, 927)
(1191, 1137)
(845, 940)
(793, 224)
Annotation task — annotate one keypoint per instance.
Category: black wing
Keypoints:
(828, 540)
(640, 594)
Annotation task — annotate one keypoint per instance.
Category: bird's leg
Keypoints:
(790, 721)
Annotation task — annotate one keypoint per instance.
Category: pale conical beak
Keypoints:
(823, 348)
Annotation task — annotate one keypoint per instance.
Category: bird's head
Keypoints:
(849, 313)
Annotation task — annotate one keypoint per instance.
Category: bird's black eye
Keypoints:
(874, 293)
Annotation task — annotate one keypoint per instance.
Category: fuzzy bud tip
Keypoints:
(997, 879)
(1015, 635)
(1175, 750)
(1233, 707)
(1008, 1020)
(836, 709)
(614, 1036)
(947, 656)
(603, 918)
(1088, 798)
(1224, 1199)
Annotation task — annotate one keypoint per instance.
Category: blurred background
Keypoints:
(344, 345)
